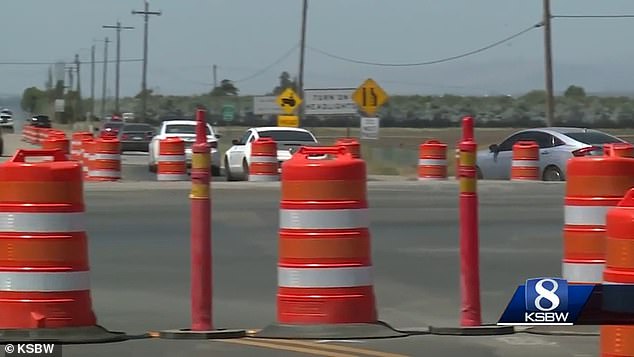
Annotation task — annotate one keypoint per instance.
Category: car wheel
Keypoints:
(245, 170)
(215, 171)
(228, 171)
(552, 173)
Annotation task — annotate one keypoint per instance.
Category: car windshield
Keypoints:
(287, 135)
(43, 118)
(594, 138)
(137, 127)
(183, 129)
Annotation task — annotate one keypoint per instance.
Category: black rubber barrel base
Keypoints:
(188, 334)
(64, 335)
(330, 331)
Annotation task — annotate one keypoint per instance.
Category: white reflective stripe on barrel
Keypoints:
(106, 157)
(42, 222)
(171, 177)
(432, 162)
(582, 273)
(324, 277)
(326, 219)
(264, 159)
(171, 158)
(432, 178)
(32, 281)
(104, 173)
(263, 178)
(605, 282)
(586, 215)
(525, 163)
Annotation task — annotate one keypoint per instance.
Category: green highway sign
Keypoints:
(228, 112)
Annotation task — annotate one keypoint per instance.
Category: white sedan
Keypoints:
(186, 130)
(289, 140)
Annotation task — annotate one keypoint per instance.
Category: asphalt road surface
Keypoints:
(139, 244)
(139, 251)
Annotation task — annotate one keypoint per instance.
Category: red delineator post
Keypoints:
(469, 246)
(201, 229)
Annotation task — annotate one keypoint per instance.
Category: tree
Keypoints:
(285, 82)
(226, 88)
(575, 92)
(33, 100)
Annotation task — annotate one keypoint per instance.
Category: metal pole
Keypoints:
(302, 52)
(78, 110)
(215, 74)
(118, 27)
(92, 88)
(105, 79)
(146, 14)
(548, 62)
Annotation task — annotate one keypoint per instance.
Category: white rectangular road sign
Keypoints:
(370, 128)
(329, 101)
(266, 104)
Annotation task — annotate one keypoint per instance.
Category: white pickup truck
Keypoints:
(186, 130)
(237, 158)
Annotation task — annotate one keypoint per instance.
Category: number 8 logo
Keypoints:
(544, 293)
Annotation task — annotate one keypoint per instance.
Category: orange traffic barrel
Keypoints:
(618, 277)
(325, 265)
(57, 142)
(353, 146)
(75, 145)
(263, 161)
(106, 160)
(525, 163)
(432, 162)
(594, 185)
(44, 266)
(27, 133)
(171, 161)
(87, 148)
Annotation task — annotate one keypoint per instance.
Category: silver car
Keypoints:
(556, 147)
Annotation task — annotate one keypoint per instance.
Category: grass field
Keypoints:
(396, 150)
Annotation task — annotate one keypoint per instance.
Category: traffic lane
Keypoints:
(134, 167)
(140, 254)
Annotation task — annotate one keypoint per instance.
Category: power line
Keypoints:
(265, 69)
(424, 63)
(28, 63)
(591, 16)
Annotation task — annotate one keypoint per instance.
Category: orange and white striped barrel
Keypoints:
(106, 160)
(525, 164)
(594, 185)
(87, 148)
(618, 340)
(31, 134)
(76, 140)
(57, 142)
(325, 265)
(42, 135)
(432, 161)
(171, 161)
(353, 146)
(44, 269)
(27, 133)
(263, 164)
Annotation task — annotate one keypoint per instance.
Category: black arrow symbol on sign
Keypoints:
(372, 94)
(290, 102)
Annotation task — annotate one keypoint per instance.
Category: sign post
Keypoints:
(288, 101)
(369, 96)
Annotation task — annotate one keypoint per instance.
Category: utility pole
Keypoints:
(146, 14)
(105, 78)
(215, 74)
(78, 105)
(548, 63)
(118, 27)
(92, 87)
(302, 52)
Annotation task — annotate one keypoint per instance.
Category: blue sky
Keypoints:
(245, 36)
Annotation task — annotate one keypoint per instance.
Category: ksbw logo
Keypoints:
(546, 301)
